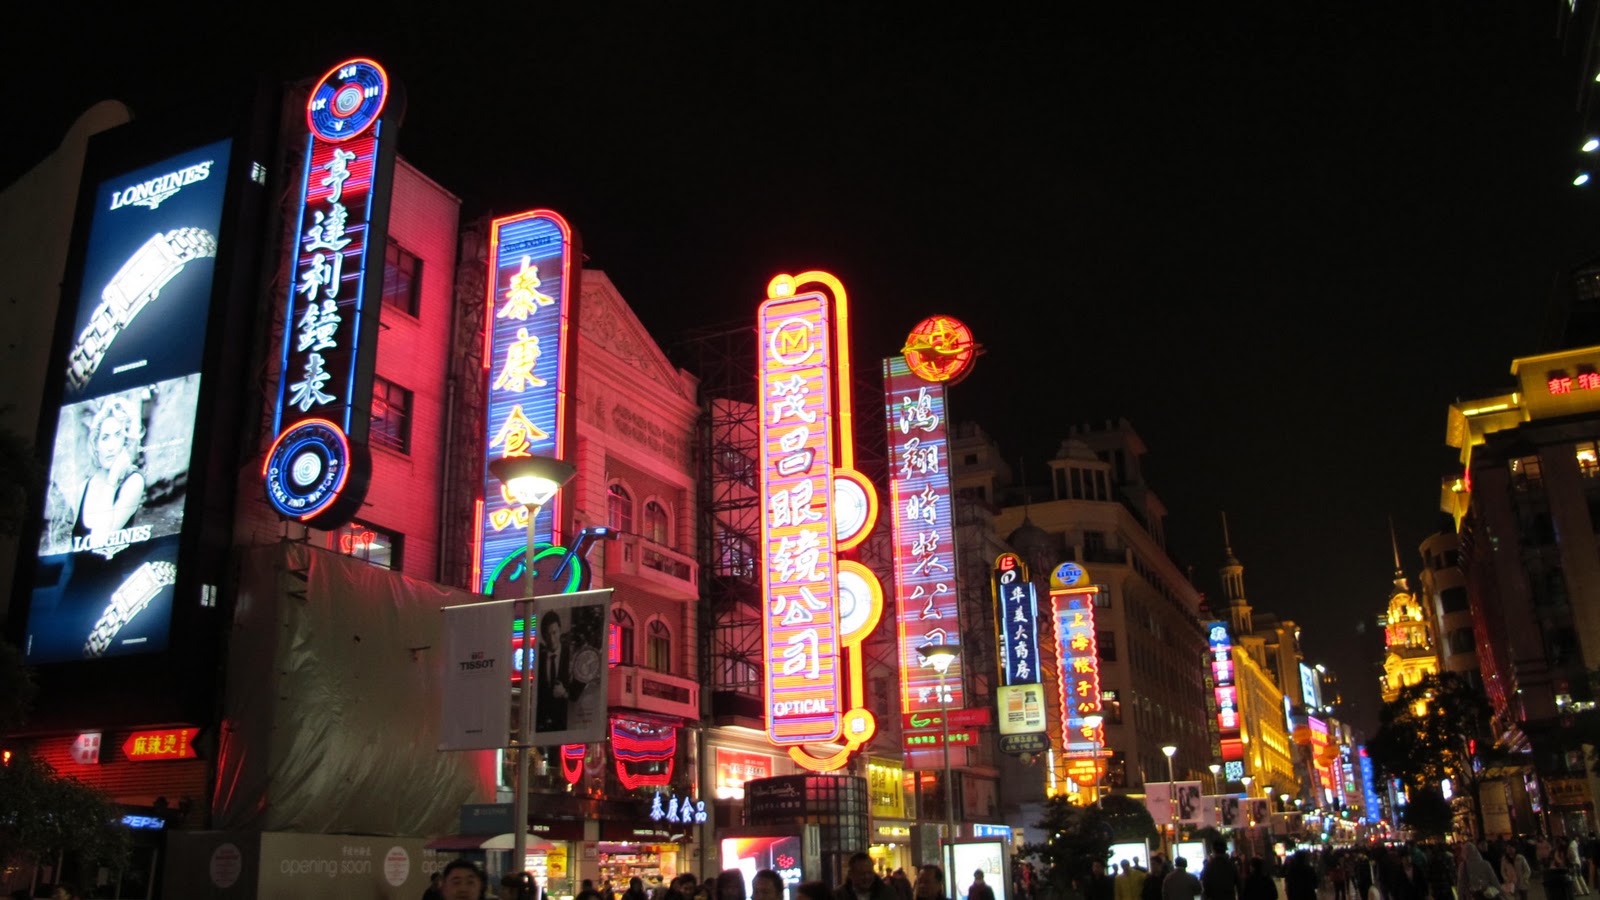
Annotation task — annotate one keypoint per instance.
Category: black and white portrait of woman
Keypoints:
(120, 468)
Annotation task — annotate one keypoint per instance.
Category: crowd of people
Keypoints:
(462, 879)
(1482, 870)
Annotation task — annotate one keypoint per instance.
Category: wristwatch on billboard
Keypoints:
(128, 601)
(135, 285)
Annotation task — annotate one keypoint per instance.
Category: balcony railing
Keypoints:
(634, 687)
(637, 561)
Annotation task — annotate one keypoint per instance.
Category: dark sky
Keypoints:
(1279, 243)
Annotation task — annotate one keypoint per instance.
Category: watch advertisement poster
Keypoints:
(120, 460)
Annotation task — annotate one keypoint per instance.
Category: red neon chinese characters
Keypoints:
(801, 615)
(1079, 667)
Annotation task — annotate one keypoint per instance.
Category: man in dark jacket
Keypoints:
(1219, 880)
(862, 882)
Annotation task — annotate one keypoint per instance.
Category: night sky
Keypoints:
(1279, 244)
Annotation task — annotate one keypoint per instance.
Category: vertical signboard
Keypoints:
(317, 468)
(800, 634)
(1023, 721)
(1226, 689)
(117, 495)
(924, 548)
(1072, 604)
(528, 360)
(1321, 754)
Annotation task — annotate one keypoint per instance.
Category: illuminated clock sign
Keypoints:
(530, 322)
(924, 545)
(1079, 668)
(317, 468)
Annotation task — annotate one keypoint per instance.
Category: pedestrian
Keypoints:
(813, 890)
(1151, 889)
(1514, 873)
(930, 884)
(766, 885)
(1130, 883)
(730, 885)
(861, 881)
(1475, 878)
(1179, 883)
(901, 884)
(1219, 880)
(434, 891)
(635, 890)
(1580, 880)
(1339, 877)
(463, 880)
(980, 889)
(1441, 873)
(1300, 877)
(1557, 877)
(1098, 885)
(586, 891)
(1258, 885)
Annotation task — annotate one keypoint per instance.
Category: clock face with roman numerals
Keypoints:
(347, 100)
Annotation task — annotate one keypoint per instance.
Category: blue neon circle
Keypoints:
(347, 100)
(326, 445)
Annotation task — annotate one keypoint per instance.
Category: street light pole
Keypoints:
(940, 656)
(532, 480)
(1172, 801)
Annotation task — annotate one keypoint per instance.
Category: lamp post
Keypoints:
(1245, 780)
(941, 656)
(1171, 750)
(1094, 721)
(1216, 785)
(532, 480)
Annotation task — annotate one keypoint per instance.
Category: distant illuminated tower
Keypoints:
(1237, 608)
(1407, 635)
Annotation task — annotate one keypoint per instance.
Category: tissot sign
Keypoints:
(316, 470)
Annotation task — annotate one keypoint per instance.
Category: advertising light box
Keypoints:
(120, 459)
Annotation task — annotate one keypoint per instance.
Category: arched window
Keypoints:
(621, 637)
(657, 524)
(658, 647)
(619, 508)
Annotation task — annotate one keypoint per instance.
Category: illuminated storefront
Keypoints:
(893, 807)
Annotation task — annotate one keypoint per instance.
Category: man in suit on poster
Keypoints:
(556, 688)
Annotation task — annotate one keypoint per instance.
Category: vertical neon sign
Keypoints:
(1224, 684)
(1072, 606)
(316, 469)
(801, 615)
(924, 545)
(1021, 693)
(528, 360)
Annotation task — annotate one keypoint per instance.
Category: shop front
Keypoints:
(652, 853)
(893, 809)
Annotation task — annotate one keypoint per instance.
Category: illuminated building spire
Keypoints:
(1232, 573)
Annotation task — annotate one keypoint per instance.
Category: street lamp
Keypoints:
(532, 480)
(1093, 722)
(1245, 780)
(1171, 750)
(1216, 785)
(940, 656)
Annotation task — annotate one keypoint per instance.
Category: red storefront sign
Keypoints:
(166, 743)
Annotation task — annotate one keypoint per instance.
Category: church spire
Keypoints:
(1400, 585)
(1232, 573)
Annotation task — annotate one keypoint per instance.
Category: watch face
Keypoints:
(347, 100)
(849, 508)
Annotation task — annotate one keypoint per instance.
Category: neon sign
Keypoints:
(644, 752)
(818, 608)
(1559, 382)
(1080, 668)
(317, 468)
(924, 543)
(527, 362)
(1220, 651)
(940, 349)
(1023, 723)
(166, 743)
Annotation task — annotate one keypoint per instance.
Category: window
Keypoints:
(364, 542)
(1526, 473)
(1102, 597)
(391, 415)
(1461, 641)
(1111, 707)
(619, 509)
(621, 638)
(1105, 643)
(658, 647)
(656, 524)
(1453, 600)
(402, 279)
(1588, 459)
